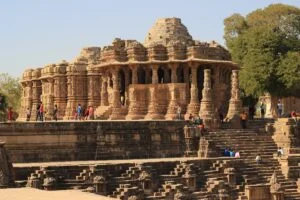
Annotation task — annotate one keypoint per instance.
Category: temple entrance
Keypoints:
(180, 74)
(122, 86)
(141, 75)
(200, 81)
(161, 74)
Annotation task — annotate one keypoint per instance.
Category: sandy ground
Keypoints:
(35, 194)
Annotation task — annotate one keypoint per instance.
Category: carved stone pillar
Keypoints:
(77, 88)
(174, 67)
(207, 111)
(137, 107)
(235, 103)
(155, 110)
(193, 107)
(126, 87)
(134, 74)
(26, 100)
(93, 79)
(6, 170)
(104, 93)
(60, 95)
(173, 104)
(48, 97)
(154, 74)
(276, 190)
(116, 105)
(36, 97)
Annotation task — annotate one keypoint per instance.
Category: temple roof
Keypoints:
(168, 30)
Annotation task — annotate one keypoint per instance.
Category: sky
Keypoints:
(35, 33)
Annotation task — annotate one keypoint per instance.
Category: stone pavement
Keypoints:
(35, 194)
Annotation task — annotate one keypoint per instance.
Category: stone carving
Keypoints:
(6, 174)
(235, 103)
(207, 110)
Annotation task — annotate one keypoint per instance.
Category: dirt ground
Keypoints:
(35, 194)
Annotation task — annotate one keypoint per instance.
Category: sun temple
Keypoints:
(132, 80)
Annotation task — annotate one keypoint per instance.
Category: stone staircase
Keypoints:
(103, 112)
(250, 142)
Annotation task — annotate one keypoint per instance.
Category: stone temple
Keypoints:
(169, 69)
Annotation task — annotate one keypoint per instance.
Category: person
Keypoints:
(202, 129)
(262, 109)
(197, 120)
(237, 154)
(78, 110)
(28, 113)
(226, 152)
(294, 115)
(178, 112)
(10, 114)
(258, 159)
(41, 111)
(231, 153)
(55, 112)
(221, 116)
(91, 112)
(279, 109)
(38, 117)
(251, 112)
(191, 119)
(122, 99)
(243, 119)
(280, 152)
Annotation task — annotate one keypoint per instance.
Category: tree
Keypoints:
(10, 93)
(266, 44)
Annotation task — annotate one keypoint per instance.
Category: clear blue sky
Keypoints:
(35, 33)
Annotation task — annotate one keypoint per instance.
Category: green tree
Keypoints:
(10, 92)
(266, 44)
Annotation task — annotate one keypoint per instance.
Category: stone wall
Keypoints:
(67, 141)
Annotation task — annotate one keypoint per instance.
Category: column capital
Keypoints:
(173, 65)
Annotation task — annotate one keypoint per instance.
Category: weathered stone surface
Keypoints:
(6, 171)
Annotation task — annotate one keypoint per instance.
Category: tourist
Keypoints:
(197, 120)
(237, 154)
(202, 129)
(258, 159)
(55, 112)
(85, 113)
(122, 99)
(191, 119)
(243, 119)
(10, 114)
(251, 112)
(91, 112)
(280, 152)
(262, 109)
(41, 111)
(78, 110)
(28, 113)
(178, 112)
(38, 112)
(231, 153)
(294, 115)
(221, 116)
(226, 152)
(279, 109)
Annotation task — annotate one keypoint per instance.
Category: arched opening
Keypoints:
(200, 80)
(180, 74)
(122, 86)
(141, 76)
(160, 74)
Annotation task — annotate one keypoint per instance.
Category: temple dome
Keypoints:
(168, 30)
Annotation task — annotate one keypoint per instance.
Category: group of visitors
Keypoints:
(228, 152)
(197, 122)
(84, 113)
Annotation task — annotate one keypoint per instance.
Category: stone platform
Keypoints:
(92, 140)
